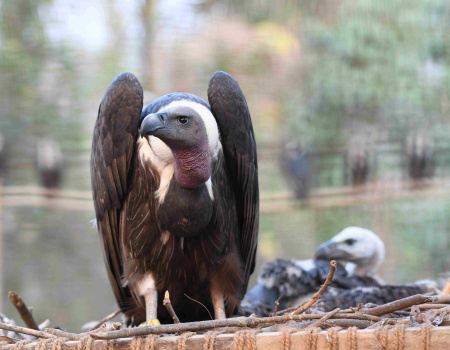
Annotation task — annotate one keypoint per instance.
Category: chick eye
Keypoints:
(350, 241)
(183, 120)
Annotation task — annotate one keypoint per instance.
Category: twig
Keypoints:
(73, 336)
(277, 303)
(23, 310)
(286, 310)
(319, 323)
(60, 333)
(444, 309)
(45, 324)
(24, 330)
(7, 339)
(398, 305)
(106, 319)
(429, 306)
(250, 322)
(361, 324)
(443, 299)
(168, 305)
(322, 289)
(446, 289)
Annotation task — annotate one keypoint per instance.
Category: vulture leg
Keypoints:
(147, 289)
(218, 301)
(151, 304)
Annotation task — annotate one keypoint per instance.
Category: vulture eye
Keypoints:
(350, 241)
(183, 120)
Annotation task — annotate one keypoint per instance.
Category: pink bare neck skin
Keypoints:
(192, 166)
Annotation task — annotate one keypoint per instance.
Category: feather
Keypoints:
(152, 220)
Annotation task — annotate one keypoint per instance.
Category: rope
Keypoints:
(351, 338)
(182, 340)
(332, 338)
(58, 343)
(380, 341)
(149, 343)
(286, 338)
(42, 343)
(19, 345)
(399, 336)
(245, 340)
(425, 331)
(238, 340)
(85, 343)
(136, 343)
(210, 338)
(311, 338)
(110, 344)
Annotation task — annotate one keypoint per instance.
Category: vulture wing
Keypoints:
(113, 146)
(229, 107)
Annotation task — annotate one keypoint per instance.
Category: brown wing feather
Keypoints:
(113, 146)
(229, 107)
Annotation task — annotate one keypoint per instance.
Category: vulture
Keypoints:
(296, 166)
(50, 162)
(3, 156)
(357, 162)
(376, 294)
(420, 154)
(294, 281)
(175, 189)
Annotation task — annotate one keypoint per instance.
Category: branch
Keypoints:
(398, 305)
(23, 310)
(168, 305)
(443, 299)
(299, 326)
(73, 336)
(277, 303)
(322, 289)
(286, 310)
(106, 319)
(24, 330)
(446, 289)
(430, 306)
(7, 339)
(250, 322)
(330, 314)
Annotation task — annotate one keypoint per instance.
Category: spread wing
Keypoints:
(113, 145)
(229, 107)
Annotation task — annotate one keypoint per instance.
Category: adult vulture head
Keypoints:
(175, 189)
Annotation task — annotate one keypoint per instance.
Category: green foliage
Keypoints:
(381, 65)
(27, 64)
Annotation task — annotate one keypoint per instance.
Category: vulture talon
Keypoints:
(154, 322)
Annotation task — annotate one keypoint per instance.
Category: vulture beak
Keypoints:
(327, 251)
(153, 122)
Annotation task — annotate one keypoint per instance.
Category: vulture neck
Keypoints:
(192, 166)
(369, 266)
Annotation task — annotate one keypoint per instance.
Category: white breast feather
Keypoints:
(161, 157)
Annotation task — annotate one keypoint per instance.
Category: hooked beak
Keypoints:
(153, 122)
(328, 251)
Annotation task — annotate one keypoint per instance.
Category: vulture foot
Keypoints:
(218, 301)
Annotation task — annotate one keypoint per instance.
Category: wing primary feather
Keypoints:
(230, 109)
(113, 147)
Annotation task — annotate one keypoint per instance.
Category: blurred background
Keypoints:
(350, 101)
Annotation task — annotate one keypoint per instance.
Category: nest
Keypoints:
(415, 322)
